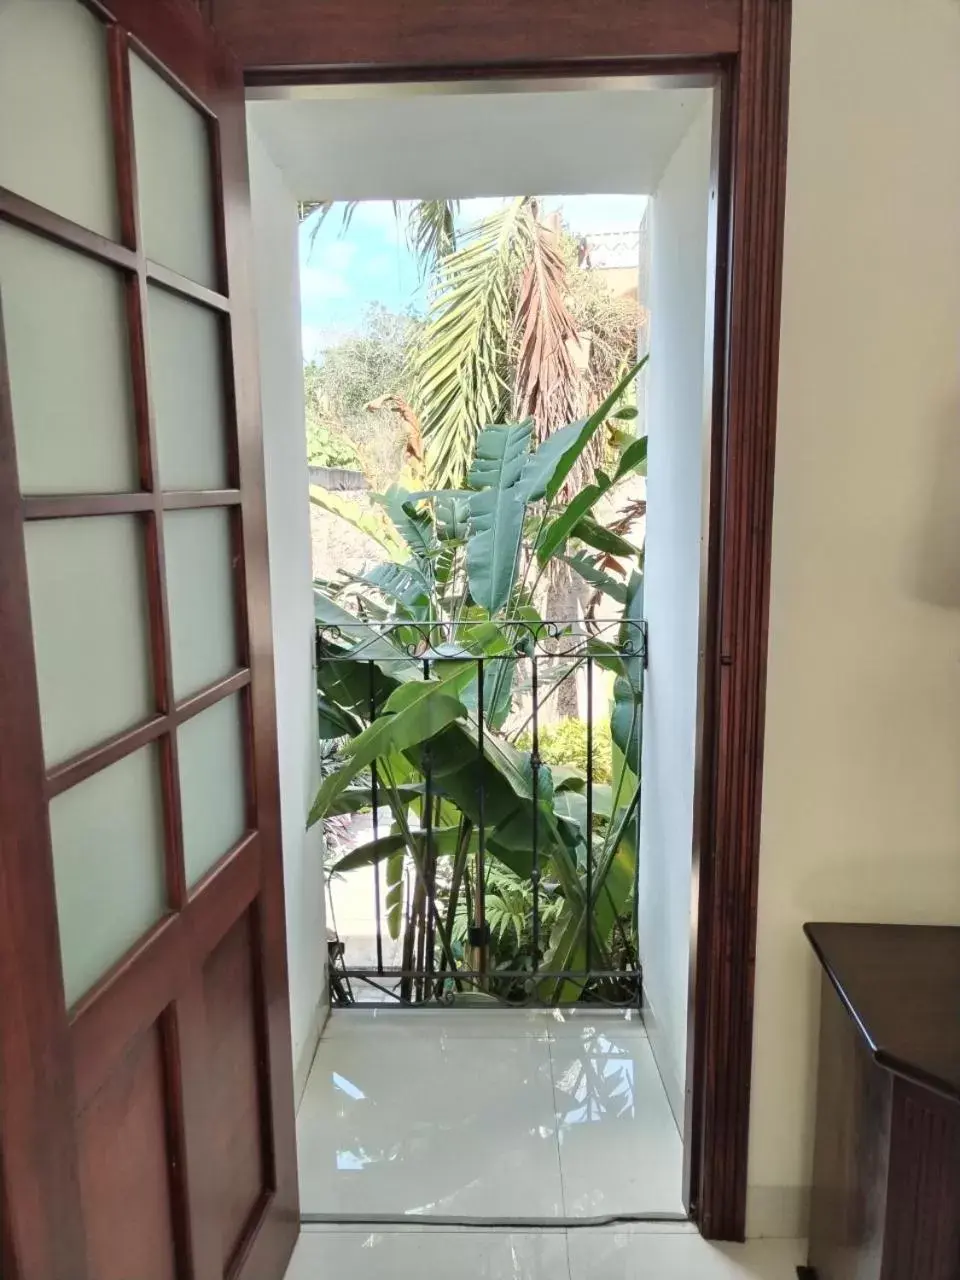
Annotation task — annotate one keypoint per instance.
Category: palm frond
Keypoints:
(461, 364)
(431, 231)
(547, 380)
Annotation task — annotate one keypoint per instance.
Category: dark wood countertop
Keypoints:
(901, 985)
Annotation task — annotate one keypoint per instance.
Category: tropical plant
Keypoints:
(566, 743)
(351, 394)
(425, 699)
(515, 330)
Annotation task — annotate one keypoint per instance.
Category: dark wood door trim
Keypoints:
(296, 35)
(744, 44)
(751, 147)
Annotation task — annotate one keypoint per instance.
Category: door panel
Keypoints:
(146, 1118)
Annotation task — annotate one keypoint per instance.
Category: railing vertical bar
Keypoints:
(480, 889)
(375, 801)
(535, 770)
(589, 912)
(429, 853)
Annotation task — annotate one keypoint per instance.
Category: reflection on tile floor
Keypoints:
(513, 1114)
(433, 1253)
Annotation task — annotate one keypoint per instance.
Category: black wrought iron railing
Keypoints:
(482, 830)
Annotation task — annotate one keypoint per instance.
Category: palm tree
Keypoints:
(514, 329)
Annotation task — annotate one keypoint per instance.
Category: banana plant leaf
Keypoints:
(633, 458)
(582, 564)
(595, 535)
(496, 513)
(556, 533)
(443, 841)
(414, 524)
(625, 718)
(412, 714)
(393, 900)
(356, 798)
(579, 434)
(404, 583)
(334, 721)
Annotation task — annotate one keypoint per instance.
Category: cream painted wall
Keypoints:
(288, 527)
(675, 425)
(861, 804)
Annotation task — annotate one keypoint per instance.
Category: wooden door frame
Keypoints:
(744, 46)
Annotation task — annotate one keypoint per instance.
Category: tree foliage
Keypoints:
(342, 384)
(461, 589)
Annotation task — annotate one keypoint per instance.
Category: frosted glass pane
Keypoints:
(66, 335)
(200, 595)
(107, 836)
(56, 146)
(173, 170)
(210, 748)
(88, 606)
(186, 365)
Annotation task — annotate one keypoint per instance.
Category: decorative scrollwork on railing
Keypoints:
(445, 640)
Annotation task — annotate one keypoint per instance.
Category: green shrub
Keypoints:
(566, 743)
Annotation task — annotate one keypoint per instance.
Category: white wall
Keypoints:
(675, 409)
(288, 521)
(861, 802)
(352, 142)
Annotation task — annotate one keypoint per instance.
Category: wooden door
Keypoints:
(146, 1109)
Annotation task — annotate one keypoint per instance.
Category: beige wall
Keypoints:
(861, 814)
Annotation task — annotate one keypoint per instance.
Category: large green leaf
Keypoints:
(356, 798)
(595, 535)
(633, 458)
(559, 529)
(403, 583)
(625, 719)
(413, 523)
(443, 840)
(496, 513)
(580, 434)
(334, 721)
(597, 577)
(542, 464)
(393, 900)
(411, 714)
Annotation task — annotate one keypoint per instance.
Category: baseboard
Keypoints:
(777, 1213)
(301, 1071)
(672, 1083)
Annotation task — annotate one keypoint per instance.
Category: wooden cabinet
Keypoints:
(885, 1202)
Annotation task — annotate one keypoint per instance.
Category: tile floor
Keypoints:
(474, 1114)
(434, 1253)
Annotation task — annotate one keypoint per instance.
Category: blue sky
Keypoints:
(342, 273)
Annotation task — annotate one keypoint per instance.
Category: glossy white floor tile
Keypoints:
(432, 1253)
(613, 1255)
(422, 1255)
(397, 1123)
(509, 1113)
(620, 1150)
